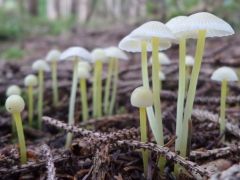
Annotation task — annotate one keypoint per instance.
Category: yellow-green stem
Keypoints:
(21, 139)
(83, 93)
(143, 130)
(222, 120)
(97, 72)
(188, 75)
(40, 97)
(99, 89)
(114, 90)
(54, 83)
(30, 105)
(192, 90)
(72, 101)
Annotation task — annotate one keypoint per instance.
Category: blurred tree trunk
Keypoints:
(51, 10)
(42, 6)
(65, 7)
(83, 10)
(1, 3)
(33, 7)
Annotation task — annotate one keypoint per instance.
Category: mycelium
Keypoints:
(53, 57)
(142, 98)
(15, 105)
(115, 54)
(13, 90)
(223, 75)
(98, 58)
(74, 54)
(30, 81)
(40, 66)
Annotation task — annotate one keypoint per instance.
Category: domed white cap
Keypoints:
(224, 73)
(98, 54)
(163, 59)
(162, 76)
(30, 80)
(85, 64)
(72, 52)
(40, 65)
(83, 73)
(114, 52)
(14, 104)
(13, 90)
(189, 60)
(53, 55)
(142, 97)
(214, 26)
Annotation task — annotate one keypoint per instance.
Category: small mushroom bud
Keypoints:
(30, 80)
(13, 90)
(14, 104)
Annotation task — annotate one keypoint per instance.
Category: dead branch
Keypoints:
(231, 173)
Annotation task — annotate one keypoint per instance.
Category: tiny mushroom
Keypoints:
(13, 90)
(163, 59)
(223, 75)
(162, 76)
(189, 62)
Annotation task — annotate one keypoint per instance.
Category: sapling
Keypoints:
(15, 105)
(53, 57)
(30, 81)
(40, 66)
(142, 98)
(13, 90)
(223, 75)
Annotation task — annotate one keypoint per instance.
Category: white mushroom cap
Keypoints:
(85, 64)
(72, 52)
(114, 52)
(214, 26)
(163, 59)
(14, 104)
(40, 65)
(224, 73)
(162, 76)
(189, 60)
(13, 90)
(98, 54)
(132, 45)
(53, 55)
(30, 80)
(142, 97)
(83, 73)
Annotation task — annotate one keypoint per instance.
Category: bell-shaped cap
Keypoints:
(14, 104)
(83, 73)
(98, 54)
(53, 55)
(162, 76)
(13, 90)
(214, 26)
(30, 80)
(163, 59)
(85, 64)
(40, 65)
(189, 60)
(114, 52)
(224, 73)
(142, 97)
(75, 52)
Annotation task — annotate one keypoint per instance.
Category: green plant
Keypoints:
(12, 53)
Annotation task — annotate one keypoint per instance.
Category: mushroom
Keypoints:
(223, 75)
(98, 58)
(15, 105)
(114, 54)
(13, 90)
(162, 76)
(189, 62)
(40, 66)
(53, 57)
(30, 81)
(142, 98)
(74, 54)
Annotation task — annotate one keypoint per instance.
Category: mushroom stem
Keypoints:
(40, 97)
(188, 75)
(96, 91)
(30, 105)
(83, 92)
(21, 139)
(72, 101)
(222, 120)
(107, 86)
(192, 90)
(99, 90)
(115, 83)
(143, 130)
(54, 83)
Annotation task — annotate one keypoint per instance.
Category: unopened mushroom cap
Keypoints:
(224, 73)
(30, 80)
(189, 60)
(162, 76)
(53, 55)
(83, 73)
(114, 52)
(163, 59)
(73, 52)
(14, 104)
(142, 97)
(40, 65)
(13, 90)
(98, 54)
(215, 26)
(85, 64)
